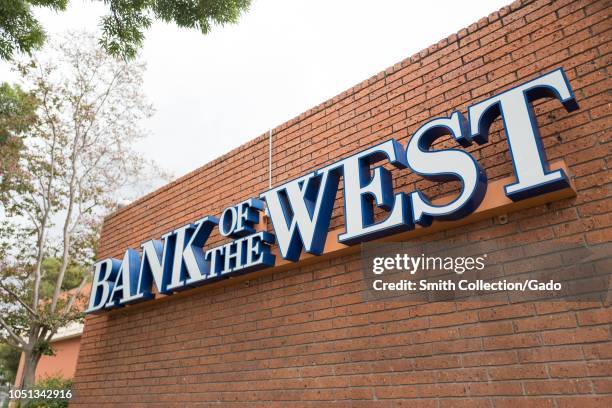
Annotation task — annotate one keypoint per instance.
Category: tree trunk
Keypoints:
(30, 362)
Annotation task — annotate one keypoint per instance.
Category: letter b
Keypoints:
(105, 273)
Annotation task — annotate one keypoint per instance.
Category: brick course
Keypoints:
(305, 336)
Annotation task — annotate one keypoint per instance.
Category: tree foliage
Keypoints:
(50, 383)
(50, 271)
(122, 28)
(17, 117)
(77, 157)
(9, 363)
(20, 31)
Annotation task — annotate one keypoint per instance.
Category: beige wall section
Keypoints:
(63, 363)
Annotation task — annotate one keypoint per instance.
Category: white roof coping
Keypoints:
(74, 329)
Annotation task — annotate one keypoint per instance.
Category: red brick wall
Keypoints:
(306, 336)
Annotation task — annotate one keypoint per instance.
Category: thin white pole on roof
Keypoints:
(270, 161)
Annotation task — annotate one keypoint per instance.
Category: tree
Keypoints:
(50, 383)
(122, 29)
(9, 363)
(50, 270)
(17, 116)
(76, 159)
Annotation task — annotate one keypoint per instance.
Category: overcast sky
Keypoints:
(213, 93)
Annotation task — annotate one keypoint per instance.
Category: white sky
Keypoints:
(213, 93)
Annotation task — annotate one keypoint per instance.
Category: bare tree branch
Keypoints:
(74, 296)
(11, 333)
(19, 300)
(11, 343)
(47, 201)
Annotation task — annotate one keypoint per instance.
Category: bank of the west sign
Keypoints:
(300, 210)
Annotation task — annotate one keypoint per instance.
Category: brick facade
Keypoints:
(305, 336)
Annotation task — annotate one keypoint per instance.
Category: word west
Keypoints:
(300, 210)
